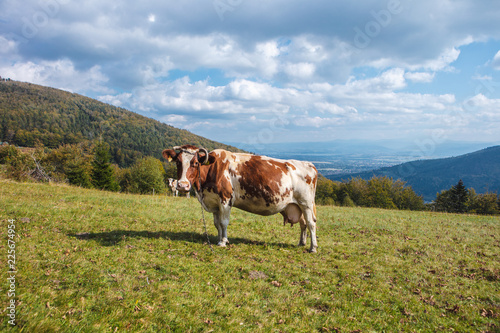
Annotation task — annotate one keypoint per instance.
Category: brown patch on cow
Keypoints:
(261, 178)
(212, 177)
(309, 180)
(315, 179)
(291, 166)
(223, 155)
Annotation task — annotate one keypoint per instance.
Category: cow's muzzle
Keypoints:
(183, 186)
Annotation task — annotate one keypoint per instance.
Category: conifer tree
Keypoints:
(459, 196)
(454, 200)
(102, 173)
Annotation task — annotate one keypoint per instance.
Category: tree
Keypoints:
(170, 170)
(124, 179)
(357, 189)
(71, 162)
(77, 173)
(102, 173)
(148, 175)
(379, 192)
(410, 200)
(485, 204)
(325, 191)
(459, 197)
(443, 201)
(454, 200)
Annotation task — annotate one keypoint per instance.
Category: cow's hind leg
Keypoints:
(303, 232)
(310, 217)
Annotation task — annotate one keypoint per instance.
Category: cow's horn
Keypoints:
(177, 148)
(203, 159)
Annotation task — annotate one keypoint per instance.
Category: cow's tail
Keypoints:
(314, 212)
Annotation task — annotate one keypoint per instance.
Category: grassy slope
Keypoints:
(144, 267)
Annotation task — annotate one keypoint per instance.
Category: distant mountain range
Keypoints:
(479, 170)
(31, 113)
(338, 158)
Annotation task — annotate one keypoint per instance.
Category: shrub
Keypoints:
(17, 164)
(147, 175)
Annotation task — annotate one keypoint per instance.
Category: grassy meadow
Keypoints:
(92, 261)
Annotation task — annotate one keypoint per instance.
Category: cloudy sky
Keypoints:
(271, 71)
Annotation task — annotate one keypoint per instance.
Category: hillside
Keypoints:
(479, 170)
(30, 112)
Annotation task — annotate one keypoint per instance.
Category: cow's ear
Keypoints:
(169, 154)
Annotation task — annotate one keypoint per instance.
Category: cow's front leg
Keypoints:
(218, 226)
(223, 223)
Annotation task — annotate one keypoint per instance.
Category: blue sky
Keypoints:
(259, 72)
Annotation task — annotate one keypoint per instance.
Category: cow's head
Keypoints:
(188, 159)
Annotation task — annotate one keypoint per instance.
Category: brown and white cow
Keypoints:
(256, 184)
(172, 183)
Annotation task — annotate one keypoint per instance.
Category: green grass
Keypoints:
(91, 261)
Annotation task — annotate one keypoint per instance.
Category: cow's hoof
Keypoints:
(223, 242)
(313, 250)
(301, 244)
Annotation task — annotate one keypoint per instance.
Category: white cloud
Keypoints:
(422, 77)
(60, 74)
(390, 80)
(249, 90)
(301, 70)
(442, 62)
(174, 119)
(334, 108)
(482, 77)
(481, 105)
(305, 121)
(7, 46)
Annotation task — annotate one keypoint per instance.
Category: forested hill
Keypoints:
(30, 112)
(479, 170)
